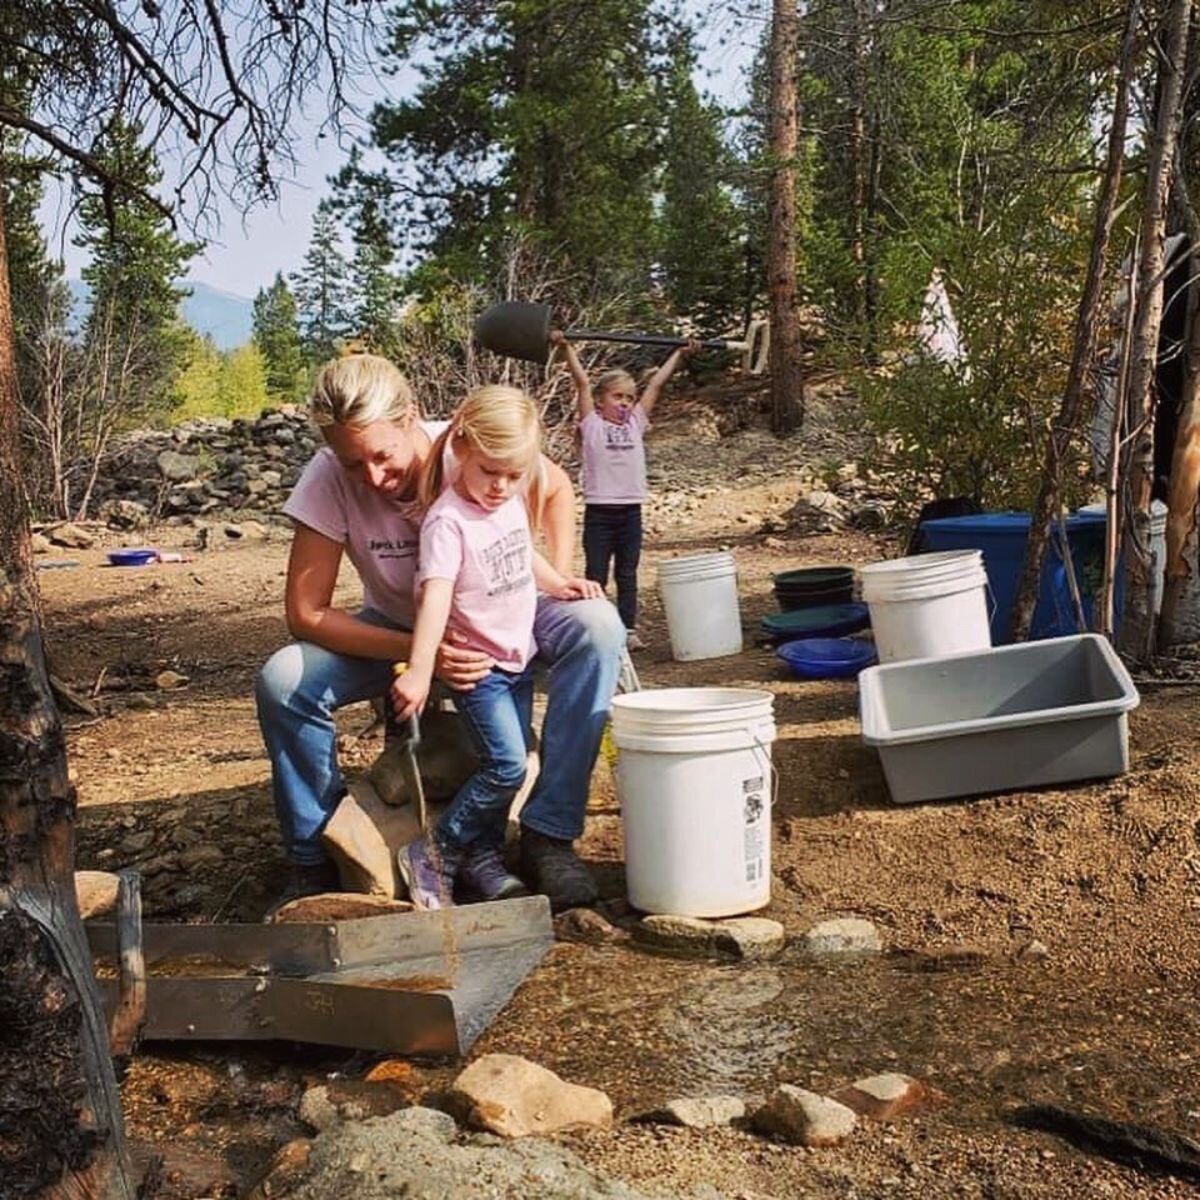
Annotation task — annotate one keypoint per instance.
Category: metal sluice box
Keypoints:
(418, 983)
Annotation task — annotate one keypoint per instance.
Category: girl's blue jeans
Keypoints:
(498, 712)
(302, 685)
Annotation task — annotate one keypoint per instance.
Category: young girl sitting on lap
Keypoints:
(479, 576)
(612, 426)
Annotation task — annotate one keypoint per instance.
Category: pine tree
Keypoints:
(134, 274)
(277, 336)
(541, 118)
(376, 287)
(320, 289)
(700, 230)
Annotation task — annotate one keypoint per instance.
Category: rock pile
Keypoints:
(213, 467)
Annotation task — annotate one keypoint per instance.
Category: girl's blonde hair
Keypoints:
(359, 390)
(607, 379)
(499, 422)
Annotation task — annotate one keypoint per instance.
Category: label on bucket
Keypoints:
(754, 811)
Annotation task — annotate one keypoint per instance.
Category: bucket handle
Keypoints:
(770, 770)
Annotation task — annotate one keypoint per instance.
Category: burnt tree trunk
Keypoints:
(61, 1133)
(787, 382)
(1183, 497)
(1087, 322)
(1136, 638)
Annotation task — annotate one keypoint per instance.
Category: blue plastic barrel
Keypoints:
(1002, 538)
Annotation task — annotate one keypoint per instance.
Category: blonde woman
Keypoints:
(357, 499)
(480, 576)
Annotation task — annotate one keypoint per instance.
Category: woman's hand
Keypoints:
(459, 667)
(409, 693)
(578, 589)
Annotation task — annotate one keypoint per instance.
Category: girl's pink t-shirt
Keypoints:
(489, 556)
(614, 458)
(380, 537)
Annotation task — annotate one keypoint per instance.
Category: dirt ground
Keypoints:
(1106, 876)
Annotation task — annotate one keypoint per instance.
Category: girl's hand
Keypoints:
(409, 693)
(694, 346)
(557, 337)
(579, 589)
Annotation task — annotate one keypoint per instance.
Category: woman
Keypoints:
(357, 498)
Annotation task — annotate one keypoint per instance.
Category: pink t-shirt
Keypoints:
(614, 458)
(489, 555)
(380, 539)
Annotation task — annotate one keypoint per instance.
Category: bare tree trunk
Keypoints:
(1136, 638)
(1183, 497)
(1087, 322)
(787, 381)
(60, 1118)
(858, 156)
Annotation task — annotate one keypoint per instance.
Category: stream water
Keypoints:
(647, 1028)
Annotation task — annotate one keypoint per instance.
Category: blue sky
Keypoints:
(245, 251)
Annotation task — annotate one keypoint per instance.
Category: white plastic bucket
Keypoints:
(700, 596)
(695, 781)
(929, 605)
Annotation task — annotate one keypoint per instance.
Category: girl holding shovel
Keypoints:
(613, 421)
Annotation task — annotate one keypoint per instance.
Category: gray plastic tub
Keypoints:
(1019, 716)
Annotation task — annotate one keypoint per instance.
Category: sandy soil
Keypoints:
(1106, 875)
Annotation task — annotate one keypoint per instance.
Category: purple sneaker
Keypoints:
(484, 873)
(429, 870)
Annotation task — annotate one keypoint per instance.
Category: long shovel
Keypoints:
(518, 329)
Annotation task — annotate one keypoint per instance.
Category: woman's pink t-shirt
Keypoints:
(614, 458)
(489, 556)
(379, 536)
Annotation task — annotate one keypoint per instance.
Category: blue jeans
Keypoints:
(614, 532)
(302, 685)
(497, 712)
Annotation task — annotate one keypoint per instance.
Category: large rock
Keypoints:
(511, 1096)
(887, 1096)
(804, 1118)
(445, 754)
(71, 535)
(176, 467)
(416, 1154)
(700, 1112)
(843, 935)
(124, 514)
(731, 937)
(364, 860)
(352, 1100)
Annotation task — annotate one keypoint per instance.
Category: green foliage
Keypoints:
(700, 232)
(538, 118)
(136, 265)
(321, 290)
(216, 384)
(376, 288)
(243, 382)
(198, 386)
(277, 335)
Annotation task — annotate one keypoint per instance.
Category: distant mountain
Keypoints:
(226, 318)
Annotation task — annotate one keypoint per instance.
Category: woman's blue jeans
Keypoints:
(302, 685)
